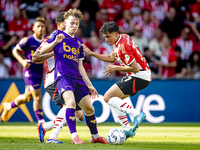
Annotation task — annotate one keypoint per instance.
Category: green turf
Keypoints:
(170, 136)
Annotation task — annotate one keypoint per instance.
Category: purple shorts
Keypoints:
(78, 87)
(33, 82)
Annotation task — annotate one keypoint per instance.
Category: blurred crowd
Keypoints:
(166, 31)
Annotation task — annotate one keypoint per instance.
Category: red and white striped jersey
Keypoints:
(187, 47)
(50, 64)
(123, 24)
(168, 56)
(195, 9)
(19, 27)
(113, 8)
(7, 9)
(99, 66)
(126, 52)
(52, 14)
(159, 11)
(147, 29)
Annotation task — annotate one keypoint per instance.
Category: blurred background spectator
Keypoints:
(5, 65)
(3, 31)
(172, 24)
(148, 26)
(18, 28)
(181, 69)
(194, 65)
(168, 60)
(101, 18)
(141, 42)
(98, 66)
(148, 22)
(31, 9)
(155, 44)
(151, 60)
(113, 8)
(124, 23)
(7, 8)
(185, 43)
(87, 25)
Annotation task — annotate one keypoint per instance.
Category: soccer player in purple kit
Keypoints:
(71, 79)
(51, 89)
(32, 72)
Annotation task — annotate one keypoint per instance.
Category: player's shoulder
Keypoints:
(79, 40)
(125, 39)
(24, 40)
(125, 36)
(53, 34)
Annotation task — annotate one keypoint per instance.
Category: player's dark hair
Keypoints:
(39, 19)
(60, 17)
(109, 27)
(74, 12)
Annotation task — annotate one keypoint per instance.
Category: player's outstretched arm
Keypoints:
(113, 68)
(37, 57)
(48, 46)
(87, 80)
(106, 58)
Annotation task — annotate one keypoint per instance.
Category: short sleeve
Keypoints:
(23, 43)
(173, 57)
(52, 36)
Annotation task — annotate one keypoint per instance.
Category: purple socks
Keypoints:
(91, 123)
(71, 119)
(39, 114)
(13, 104)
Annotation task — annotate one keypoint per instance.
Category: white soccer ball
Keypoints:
(116, 136)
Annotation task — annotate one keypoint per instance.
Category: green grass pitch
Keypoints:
(170, 136)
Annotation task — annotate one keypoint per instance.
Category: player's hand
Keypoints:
(86, 49)
(26, 63)
(93, 92)
(109, 70)
(59, 38)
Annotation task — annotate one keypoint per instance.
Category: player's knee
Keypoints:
(29, 99)
(79, 115)
(106, 98)
(38, 98)
(89, 111)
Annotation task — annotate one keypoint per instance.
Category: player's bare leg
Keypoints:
(21, 99)
(37, 97)
(90, 119)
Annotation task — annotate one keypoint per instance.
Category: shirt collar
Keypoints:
(118, 40)
(37, 38)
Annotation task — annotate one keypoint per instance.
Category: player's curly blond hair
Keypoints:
(74, 12)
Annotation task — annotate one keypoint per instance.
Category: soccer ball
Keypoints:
(116, 136)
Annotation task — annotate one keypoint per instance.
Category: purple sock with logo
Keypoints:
(71, 119)
(91, 123)
(13, 104)
(39, 114)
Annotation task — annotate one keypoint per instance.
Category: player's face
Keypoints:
(71, 25)
(61, 26)
(39, 28)
(111, 38)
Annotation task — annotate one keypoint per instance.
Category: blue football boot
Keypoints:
(53, 141)
(137, 120)
(41, 132)
(129, 133)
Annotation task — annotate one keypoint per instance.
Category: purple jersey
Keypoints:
(29, 45)
(67, 54)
